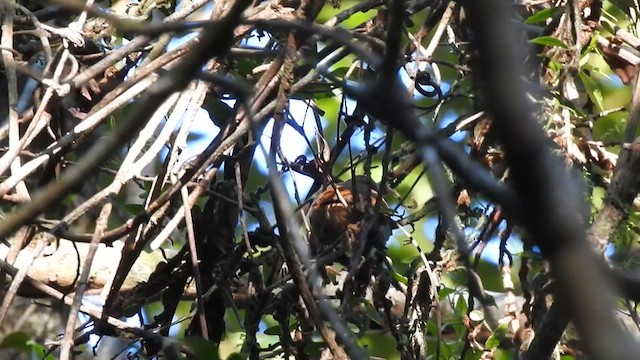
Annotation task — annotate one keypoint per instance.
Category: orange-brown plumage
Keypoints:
(333, 217)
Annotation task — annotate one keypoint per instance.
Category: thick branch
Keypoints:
(551, 198)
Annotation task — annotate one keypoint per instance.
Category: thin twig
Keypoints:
(243, 220)
(9, 158)
(120, 53)
(68, 138)
(101, 225)
(191, 239)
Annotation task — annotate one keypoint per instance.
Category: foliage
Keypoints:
(186, 161)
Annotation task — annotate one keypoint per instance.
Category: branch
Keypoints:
(295, 249)
(120, 53)
(101, 224)
(215, 40)
(551, 198)
(623, 189)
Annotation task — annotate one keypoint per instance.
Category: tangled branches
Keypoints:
(150, 170)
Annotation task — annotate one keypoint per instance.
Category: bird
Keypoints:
(342, 211)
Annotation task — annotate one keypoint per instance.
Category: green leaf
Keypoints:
(593, 90)
(501, 330)
(23, 343)
(328, 11)
(593, 44)
(502, 354)
(201, 348)
(634, 228)
(475, 355)
(597, 196)
(498, 334)
(549, 41)
(272, 330)
(359, 18)
(17, 341)
(492, 342)
(610, 127)
(555, 65)
(461, 305)
(371, 312)
(444, 292)
(543, 15)
(134, 209)
(398, 277)
(565, 357)
(330, 106)
(245, 66)
(39, 350)
(432, 327)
